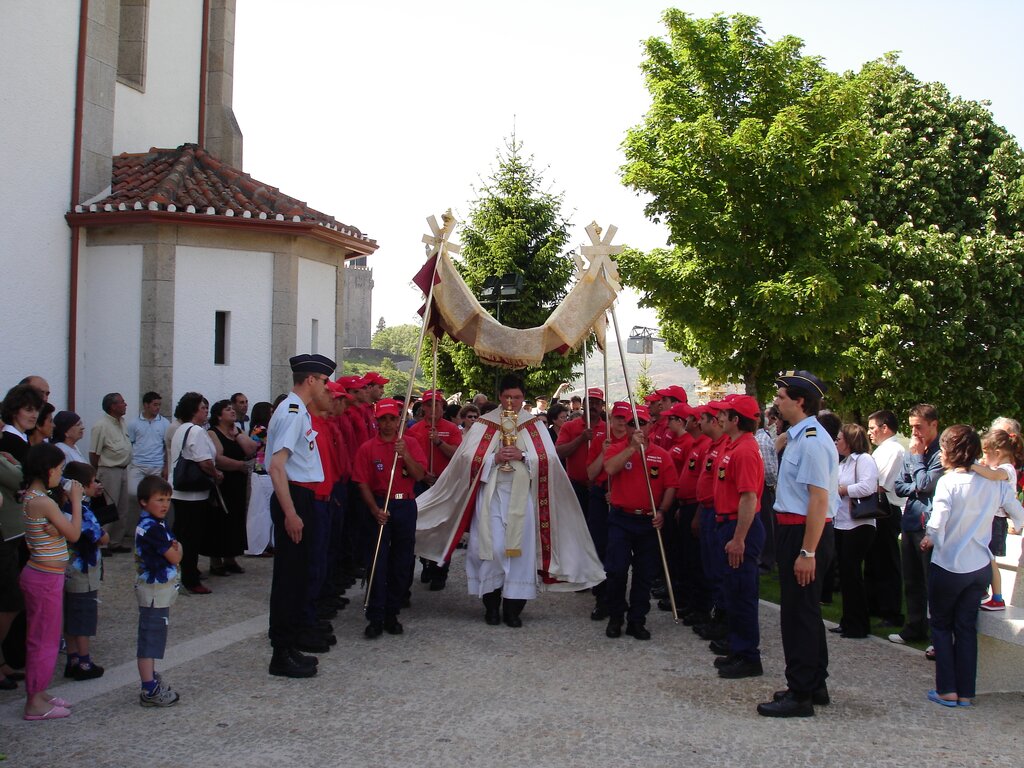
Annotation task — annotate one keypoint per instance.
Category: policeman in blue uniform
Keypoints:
(293, 458)
(807, 497)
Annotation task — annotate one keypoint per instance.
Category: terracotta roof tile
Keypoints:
(190, 180)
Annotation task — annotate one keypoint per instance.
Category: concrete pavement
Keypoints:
(453, 691)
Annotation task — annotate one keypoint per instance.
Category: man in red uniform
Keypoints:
(597, 509)
(695, 603)
(740, 534)
(668, 396)
(356, 532)
(574, 443)
(677, 441)
(342, 447)
(372, 471)
(439, 439)
(711, 556)
(632, 521)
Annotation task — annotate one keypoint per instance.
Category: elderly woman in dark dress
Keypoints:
(225, 538)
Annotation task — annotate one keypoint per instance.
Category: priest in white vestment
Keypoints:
(528, 531)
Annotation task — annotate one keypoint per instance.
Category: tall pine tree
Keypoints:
(515, 228)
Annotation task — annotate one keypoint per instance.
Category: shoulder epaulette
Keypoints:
(293, 408)
(811, 431)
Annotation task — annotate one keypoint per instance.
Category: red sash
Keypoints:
(474, 478)
(543, 502)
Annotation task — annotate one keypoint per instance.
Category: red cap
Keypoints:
(352, 382)
(372, 377)
(337, 389)
(652, 398)
(596, 392)
(682, 410)
(432, 394)
(643, 413)
(387, 407)
(711, 409)
(674, 391)
(622, 409)
(744, 405)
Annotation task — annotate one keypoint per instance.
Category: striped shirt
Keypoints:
(47, 552)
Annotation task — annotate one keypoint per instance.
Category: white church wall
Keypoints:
(317, 304)
(109, 313)
(240, 283)
(38, 46)
(167, 113)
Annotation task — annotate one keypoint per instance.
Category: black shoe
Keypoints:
(282, 664)
(600, 613)
(741, 668)
(78, 672)
(696, 618)
(510, 610)
(392, 626)
(436, 585)
(835, 630)
(429, 567)
(719, 647)
(713, 631)
(326, 612)
(724, 661)
(819, 698)
(639, 631)
(492, 607)
(312, 643)
(373, 630)
(219, 570)
(324, 626)
(854, 635)
(787, 706)
(302, 660)
(614, 628)
(664, 604)
(660, 592)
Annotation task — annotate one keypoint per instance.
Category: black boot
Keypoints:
(511, 610)
(492, 607)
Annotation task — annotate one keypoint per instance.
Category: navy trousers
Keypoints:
(395, 562)
(710, 556)
(632, 542)
(291, 569)
(953, 602)
(740, 589)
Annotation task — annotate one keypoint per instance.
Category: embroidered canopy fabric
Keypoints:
(456, 311)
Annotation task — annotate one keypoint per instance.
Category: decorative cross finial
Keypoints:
(438, 240)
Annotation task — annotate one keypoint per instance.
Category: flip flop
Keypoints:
(57, 701)
(55, 713)
(964, 703)
(934, 696)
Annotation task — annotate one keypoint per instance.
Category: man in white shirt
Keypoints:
(882, 565)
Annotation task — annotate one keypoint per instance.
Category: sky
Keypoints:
(384, 113)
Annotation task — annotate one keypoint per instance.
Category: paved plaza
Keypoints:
(453, 691)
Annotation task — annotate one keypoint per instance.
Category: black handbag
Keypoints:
(867, 507)
(104, 509)
(188, 475)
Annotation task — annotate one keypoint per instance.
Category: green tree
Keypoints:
(749, 153)
(515, 227)
(644, 382)
(399, 340)
(941, 215)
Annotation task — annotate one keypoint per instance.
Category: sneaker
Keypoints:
(163, 696)
(897, 638)
(993, 605)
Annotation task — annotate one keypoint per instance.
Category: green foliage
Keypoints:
(398, 383)
(941, 215)
(749, 153)
(398, 339)
(515, 227)
(644, 382)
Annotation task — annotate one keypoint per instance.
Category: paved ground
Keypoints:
(454, 691)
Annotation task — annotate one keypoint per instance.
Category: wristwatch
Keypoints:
(805, 553)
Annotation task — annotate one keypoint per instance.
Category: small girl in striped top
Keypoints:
(47, 532)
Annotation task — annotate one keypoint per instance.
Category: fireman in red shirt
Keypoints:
(711, 557)
(597, 508)
(632, 539)
(677, 442)
(439, 439)
(740, 534)
(573, 443)
(695, 593)
(668, 396)
(372, 472)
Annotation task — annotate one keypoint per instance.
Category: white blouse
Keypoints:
(859, 473)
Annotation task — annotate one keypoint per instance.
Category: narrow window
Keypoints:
(221, 329)
(314, 335)
(131, 44)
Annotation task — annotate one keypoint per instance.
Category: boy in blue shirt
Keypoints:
(157, 554)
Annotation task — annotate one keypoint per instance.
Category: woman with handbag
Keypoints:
(226, 527)
(854, 526)
(192, 477)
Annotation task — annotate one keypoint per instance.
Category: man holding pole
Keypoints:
(643, 479)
